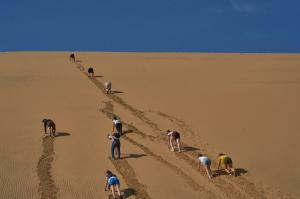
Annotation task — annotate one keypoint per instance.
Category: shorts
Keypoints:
(113, 181)
(90, 70)
(227, 160)
(207, 162)
(176, 135)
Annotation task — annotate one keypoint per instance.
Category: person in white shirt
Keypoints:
(205, 162)
(173, 136)
(107, 87)
(117, 124)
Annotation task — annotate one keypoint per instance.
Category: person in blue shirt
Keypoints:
(113, 183)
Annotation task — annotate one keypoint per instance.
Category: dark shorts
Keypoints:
(90, 70)
(176, 135)
(227, 160)
(207, 162)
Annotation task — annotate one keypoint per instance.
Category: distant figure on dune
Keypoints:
(72, 57)
(205, 162)
(90, 72)
(49, 124)
(117, 124)
(227, 162)
(107, 87)
(113, 183)
(173, 136)
(115, 138)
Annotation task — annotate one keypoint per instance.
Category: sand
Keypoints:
(245, 105)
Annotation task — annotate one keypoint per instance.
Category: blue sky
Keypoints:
(151, 25)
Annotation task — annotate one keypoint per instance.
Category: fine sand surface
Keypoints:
(246, 105)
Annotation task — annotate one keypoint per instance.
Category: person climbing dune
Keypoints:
(227, 162)
(173, 136)
(206, 163)
(107, 87)
(90, 72)
(115, 138)
(72, 57)
(112, 183)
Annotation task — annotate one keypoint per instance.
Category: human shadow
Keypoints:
(189, 148)
(98, 76)
(126, 156)
(78, 61)
(127, 131)
(128, 192)
(61, 134)
(116, 92)
(238, 172)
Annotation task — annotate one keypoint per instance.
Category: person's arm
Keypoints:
(199, 165)
(169, 138)
(113, 126)
(106, 184)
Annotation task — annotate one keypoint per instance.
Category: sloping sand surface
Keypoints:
(245, 105)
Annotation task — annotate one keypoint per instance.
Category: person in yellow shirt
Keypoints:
(227, 162)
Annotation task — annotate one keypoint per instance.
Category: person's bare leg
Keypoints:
(112, 187)
(178, 145)
(231, 169)
(171, 144)
(227, 169)
(209, 173)
(118, 190)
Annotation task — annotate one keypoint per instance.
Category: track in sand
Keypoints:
(231, 187)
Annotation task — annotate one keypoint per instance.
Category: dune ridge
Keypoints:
(218, 102)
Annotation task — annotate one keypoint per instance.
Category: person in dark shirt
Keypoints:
(115, 138)
(72, 57)
(90, 72)
(173, 136)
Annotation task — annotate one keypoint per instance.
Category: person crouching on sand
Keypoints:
(113, 183)
(205, 162)
(115, 138)
(90, 72)
(227, 162)
(107, 87)
(173, 136)
(72, 57)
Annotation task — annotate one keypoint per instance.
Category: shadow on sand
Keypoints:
(116, 92)
(189, 148)
(128, 192)
(95, 76)
(61, 134)
(126, 156)
(127, 131)
(238, 172)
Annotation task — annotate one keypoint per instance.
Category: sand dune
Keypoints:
(243, 104)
